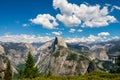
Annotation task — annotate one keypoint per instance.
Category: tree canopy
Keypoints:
(118, 64)
(8, 71)
(30, 71)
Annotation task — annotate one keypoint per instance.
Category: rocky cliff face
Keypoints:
(53, 55)
(57, 57)
(58, 42)
(1, 50)
(16, 53)
(99, 52)
(61, 60)
(2, 67)
(93, 52)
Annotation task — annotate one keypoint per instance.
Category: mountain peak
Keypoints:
(59, 41)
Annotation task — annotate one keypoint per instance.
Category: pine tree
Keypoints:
(8, 71)
(49, 73)
(21, 73)
(118, 64)
(30, 70)
(35, 72)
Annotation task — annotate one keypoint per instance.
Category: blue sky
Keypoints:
(74, 20)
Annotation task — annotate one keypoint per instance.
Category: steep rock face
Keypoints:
(53, 55)
(99, 52)
(59, 42)
(2, 68)
(1, 50)
(16, 53)
(91, 67)
(43, 56)
(61, 60)
(66, 62)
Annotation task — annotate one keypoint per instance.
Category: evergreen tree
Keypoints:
(30, 70)
(8, 71)
(36, 72)
(49, 74)
(118, 64)
(21, 73)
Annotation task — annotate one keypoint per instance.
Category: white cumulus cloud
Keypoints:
(24, 38)
(90, 38)
(80, 30)
(46, 20)
(57, 33)
(116, 7)
(48, 34)
(68, 20)
(115, 37)
(25, 25)
(104, 34)
(72, 30)
(85, 15)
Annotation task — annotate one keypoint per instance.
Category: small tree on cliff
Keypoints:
(8, 71)
(30, 70)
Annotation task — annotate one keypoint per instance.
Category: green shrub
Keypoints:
(60, 47)
(72, 57)
(57, 54)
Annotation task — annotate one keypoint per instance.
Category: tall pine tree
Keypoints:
(8, 71)
(30, 70)
(21, 73)
(118, 64)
